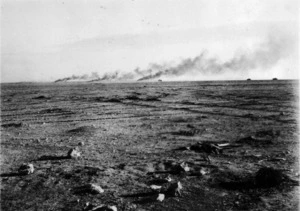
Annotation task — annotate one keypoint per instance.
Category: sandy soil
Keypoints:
(132, 135)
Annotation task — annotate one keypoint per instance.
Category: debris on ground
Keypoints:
(175, 189)
(26, 169)
(182, 167)
(155, 187)
(74, 153)
(89, 188)
(160, 197)
(90, 207)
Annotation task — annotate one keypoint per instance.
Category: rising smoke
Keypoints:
(93, 76)
(265, 56)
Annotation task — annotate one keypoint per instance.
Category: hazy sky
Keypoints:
(51, 39)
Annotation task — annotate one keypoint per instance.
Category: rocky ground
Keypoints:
(134, 135)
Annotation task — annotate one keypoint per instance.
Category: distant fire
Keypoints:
(264, 56)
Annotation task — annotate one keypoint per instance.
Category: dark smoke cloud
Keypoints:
(93, 76)
(264, 56)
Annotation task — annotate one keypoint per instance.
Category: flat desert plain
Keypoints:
(134, 135)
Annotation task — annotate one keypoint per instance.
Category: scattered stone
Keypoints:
(26, 169)
(90, 207)
(104, 208)
(74, 153)
(175, 189)
(89, 188)
(160, 197)
(168, 179)
(185, 167)
(203, 171)
(182, 167)
(155, 187)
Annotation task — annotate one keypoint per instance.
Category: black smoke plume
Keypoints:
(264, 56)
(85, 77)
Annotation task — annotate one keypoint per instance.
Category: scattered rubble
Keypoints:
(90, 207)
(182, 167)
(175, 189)
(160, 197)
(74, 153)
(26, 169)
(155, 187)
(89, 188)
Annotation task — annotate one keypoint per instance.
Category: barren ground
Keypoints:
(130, 132)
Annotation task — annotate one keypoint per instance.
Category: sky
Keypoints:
(193, 39)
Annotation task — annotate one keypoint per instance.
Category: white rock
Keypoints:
(160, 197)
(74, 153)
(168, 178)
(184, 167)
(96, 188)
(155, 187)
(26, 168)
(103, 208)
(203, 171)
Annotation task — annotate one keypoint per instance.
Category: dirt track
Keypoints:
(131, 130)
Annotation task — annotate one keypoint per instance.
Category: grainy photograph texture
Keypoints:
(149, 105)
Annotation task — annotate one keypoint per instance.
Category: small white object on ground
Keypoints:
(160, 197)
(184, 167)
(96, 188)
(74, 153)
(175, 189)
(89, 188)
(203, 171)
(155, 187)
(26, 168)
(100, 208)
